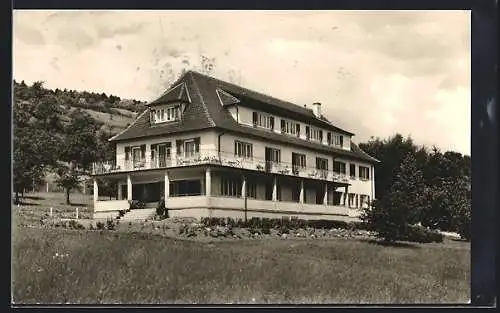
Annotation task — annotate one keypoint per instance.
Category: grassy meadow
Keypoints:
(54, 265)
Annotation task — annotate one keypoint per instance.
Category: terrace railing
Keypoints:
(219, 158)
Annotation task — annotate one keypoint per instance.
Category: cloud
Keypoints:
(376, 73)
(29, 35)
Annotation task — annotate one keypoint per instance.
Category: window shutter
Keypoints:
(127, 153)
(235, 147)
(283, 123)
(197, 144)
(271, 120)
(329, 138)
(254, 117)
(321, 135)
(368, 173)
(153, 149)
(178, 144)
(307, 132)
(143, 151)
(297, 130)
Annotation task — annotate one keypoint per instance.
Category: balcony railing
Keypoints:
(218, 158)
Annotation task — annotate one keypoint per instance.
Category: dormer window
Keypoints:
(290, 128)
(316, 134)
(335, 140)
(166, 114)
(263, 120)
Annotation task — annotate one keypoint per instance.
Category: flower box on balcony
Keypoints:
(313, 174)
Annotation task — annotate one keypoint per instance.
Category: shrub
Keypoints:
(400, 206)
(110, 225)
(284, 230)
(75, 225)
(99, 225)
(136, 204)
(266, 231)
(161, 211)
(421, 234)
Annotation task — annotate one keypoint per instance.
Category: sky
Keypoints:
(375, 72)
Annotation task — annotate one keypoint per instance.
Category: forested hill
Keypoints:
(63, 132)
(111, 112)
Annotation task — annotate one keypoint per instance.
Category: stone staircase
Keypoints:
(139, 215)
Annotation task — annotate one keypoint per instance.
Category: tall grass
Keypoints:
(108, 267)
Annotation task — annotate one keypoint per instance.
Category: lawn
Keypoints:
(35, 205)
(124, 267)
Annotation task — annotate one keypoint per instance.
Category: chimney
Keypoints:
(316, 109)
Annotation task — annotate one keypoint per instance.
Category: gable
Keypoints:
(226, 98)
(177, 93)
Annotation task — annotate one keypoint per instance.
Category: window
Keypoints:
(298, 160)
(138, 155)
(315, 134)
(160, 153)
(230, 187)
(251, 189)
(364, 173)
(243, 149)
(290, 128)
(363, 201)
(188, 147)
(263, 120)
(273, 155)
(339, 141)
(321, 164)
(336, 140)
(351, 200)
(352, 170)
(173, 113)
(339, 167)
(185, 188)
(169, 114)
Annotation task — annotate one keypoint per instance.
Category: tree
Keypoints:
(68, 178)
(34, 151)
(78, 151)
(47, 111)
(391, 152)
(391, 215)
(80, 143)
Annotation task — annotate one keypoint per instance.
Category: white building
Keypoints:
(217, 149)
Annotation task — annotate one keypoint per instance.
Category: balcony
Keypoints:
(205, 157)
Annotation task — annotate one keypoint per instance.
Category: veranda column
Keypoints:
(275, 188)
(166, 191)
(129, 188)
(119, 191)
(208, 182)
(346, 193)
(325, 196)
(96, 191)
(301, 194)
(244, 187)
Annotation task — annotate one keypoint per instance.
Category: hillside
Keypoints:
(111, 112)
